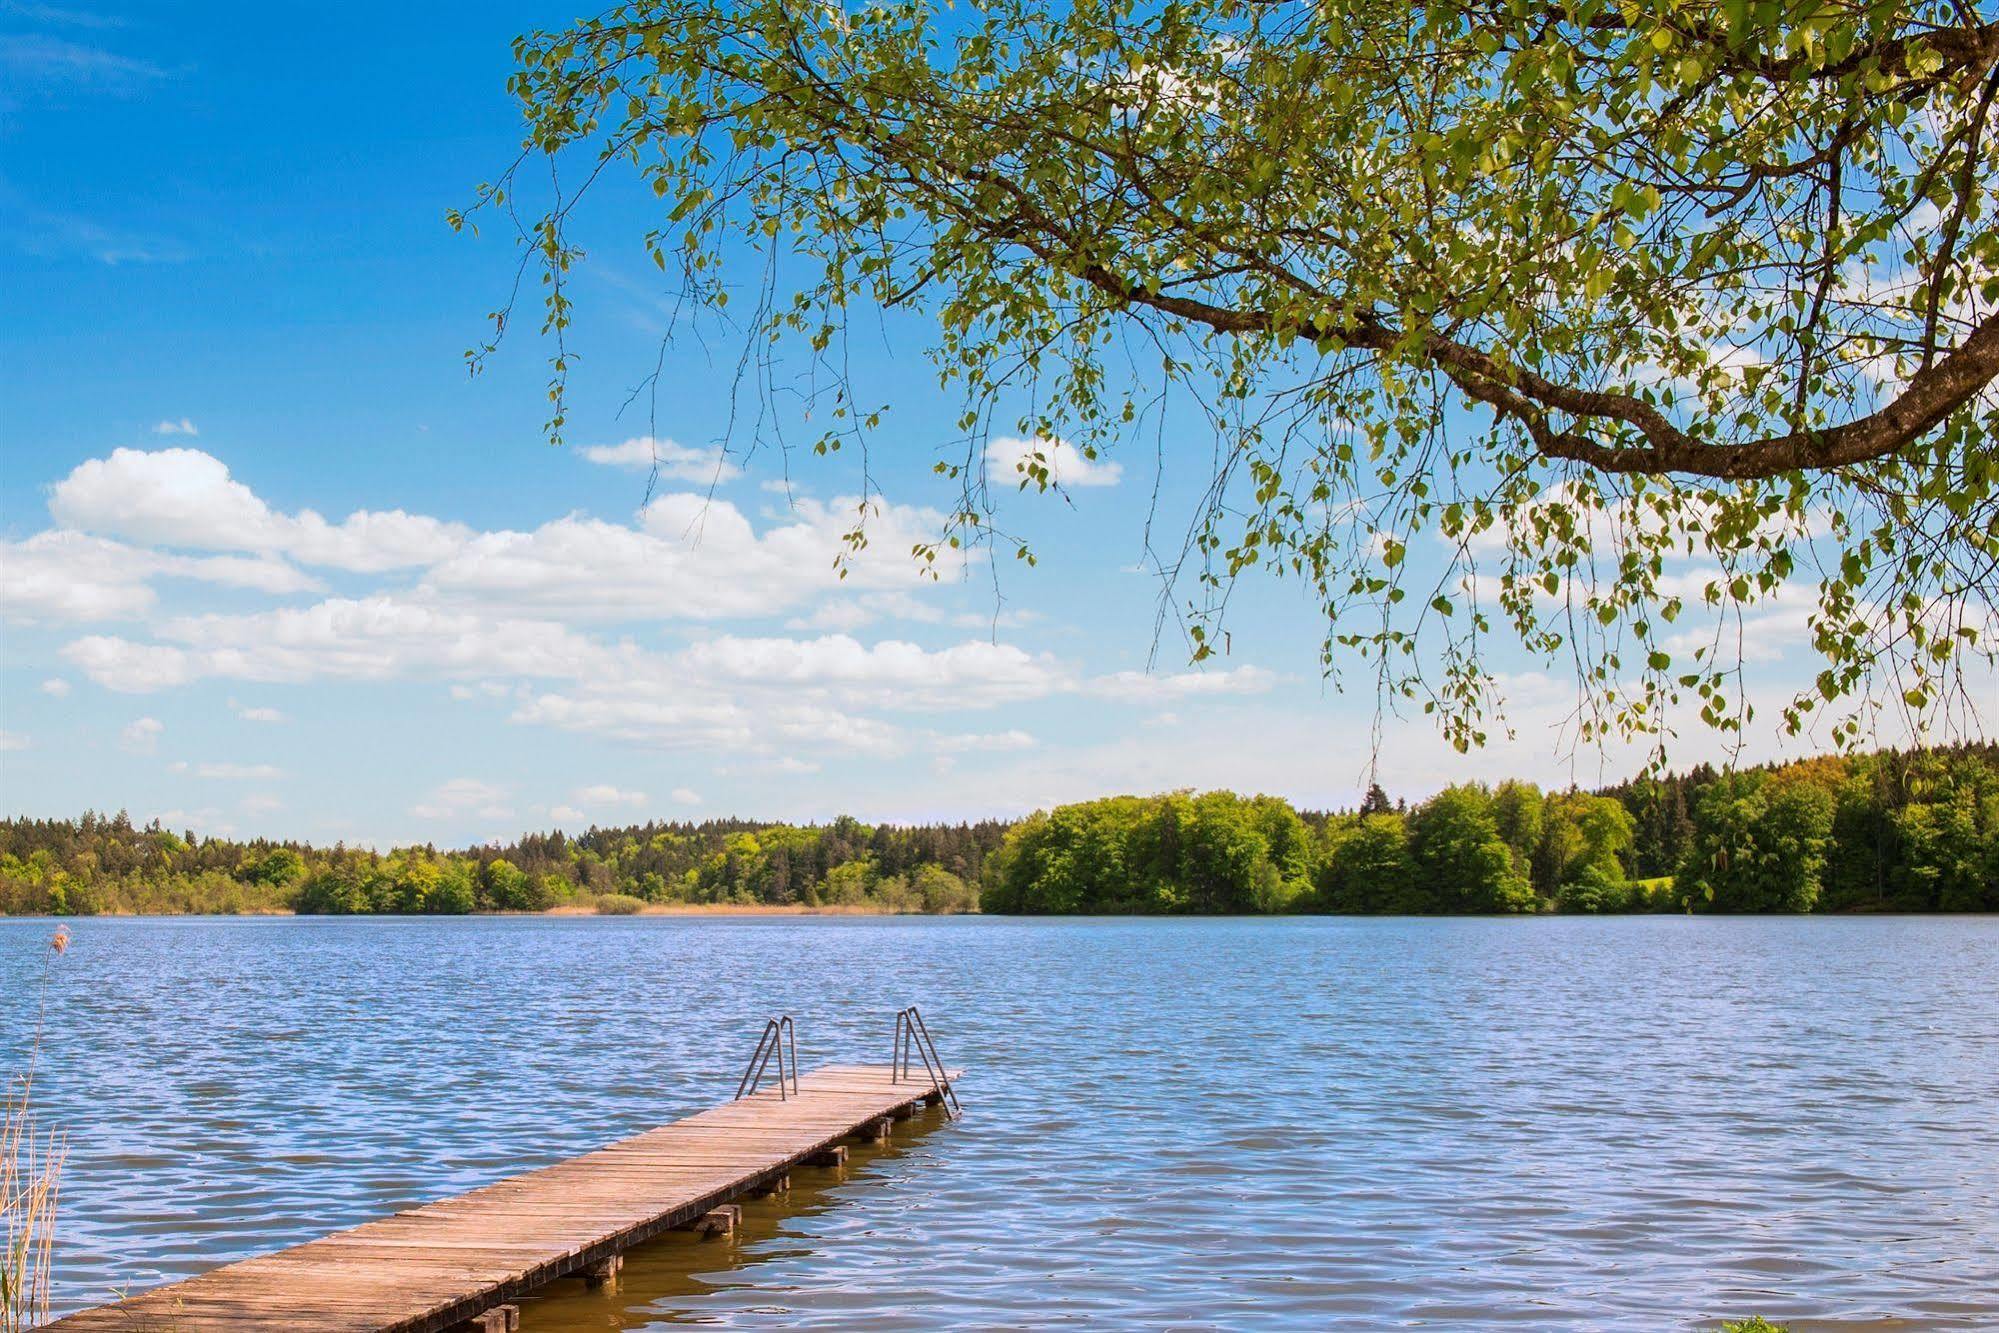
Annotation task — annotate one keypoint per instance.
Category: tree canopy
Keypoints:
(1605, 325)
(1905, 832)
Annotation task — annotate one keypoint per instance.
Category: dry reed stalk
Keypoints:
(30, 1171)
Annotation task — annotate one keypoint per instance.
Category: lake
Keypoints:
(1554, 1123)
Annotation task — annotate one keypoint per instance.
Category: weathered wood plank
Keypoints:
(438, 1266)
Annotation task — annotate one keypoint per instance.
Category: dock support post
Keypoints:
(604, 1273)
(721, 1221)
(878, 1131)
(905, 1111)
(833, 1156)
(770, 1185)
(499, 1319)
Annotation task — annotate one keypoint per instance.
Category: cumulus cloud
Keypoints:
(229, 772)
(685, 796)
(462, 796)
(502, 614)
(605, 794)
(1009, 459)
(689, 558)
(70, 576)
(186, 498)
(373, 638)
(141, 735)
(997, 740)
(665, 458)
(846, 615)
(12, 740)
(1145, 687)
(661, 716)
(56, 687)
(974, 674)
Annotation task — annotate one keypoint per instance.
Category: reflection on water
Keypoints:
(1546, 1124)
(662, 1279)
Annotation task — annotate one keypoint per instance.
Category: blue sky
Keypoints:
(277, 565)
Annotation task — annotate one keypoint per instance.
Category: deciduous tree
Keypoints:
(1606, 323)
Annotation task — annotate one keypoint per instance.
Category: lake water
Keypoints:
(1539, 1124)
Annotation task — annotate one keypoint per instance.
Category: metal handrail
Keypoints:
(912, 1034)
(778, 1034)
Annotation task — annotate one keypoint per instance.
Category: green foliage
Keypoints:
(283, 867)
(618, 904)
(1753, 1324)
(1216, 852)
(1914, 832)
(1594, 888)
(99, 864)
(1460, 857)
(1759, 845)
(1637, 318)
(1368, 869)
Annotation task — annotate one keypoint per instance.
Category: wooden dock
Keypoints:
(458, 1262)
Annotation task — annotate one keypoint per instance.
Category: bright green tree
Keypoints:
(1460, 857)
(1759, 845)
(504, 886)
(1561, 296)
(1517, 812)
(1368, 870)
(283, 866)
(1945, 856)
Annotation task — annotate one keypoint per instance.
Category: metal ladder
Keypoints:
(779, 1040)
(912, 1036)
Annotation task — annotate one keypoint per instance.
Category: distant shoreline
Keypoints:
(564, 910)
(725, 909)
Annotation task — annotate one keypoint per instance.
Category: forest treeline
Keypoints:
(1890, 831)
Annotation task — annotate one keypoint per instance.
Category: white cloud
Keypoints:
(849, 614)
(56, 687)
(373, 638)
(181, 427)
(567, 814)
(690, 558)
(1145, 687)
(12, 740)
(973, 674)
(229, 772)
(69, 576)
(141, 735)
(999, 740)
(685, 796)
(186, 498)
(461, 796)
(125, 520)
(255, 714)
(260, 803)
(663, 716)
(665, 458)
(1009, 458)
(605, 794)
(128, 667)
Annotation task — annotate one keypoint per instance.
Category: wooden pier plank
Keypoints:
(435, 1266)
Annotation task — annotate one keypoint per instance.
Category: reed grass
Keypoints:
(30, 1173)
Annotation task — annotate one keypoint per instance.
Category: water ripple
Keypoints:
(1566, 1124)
